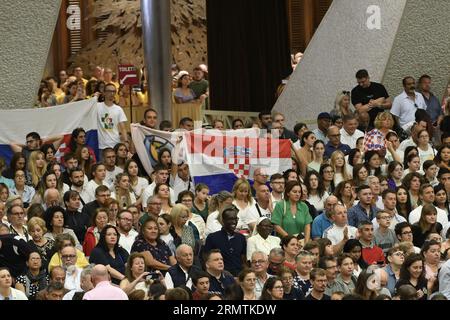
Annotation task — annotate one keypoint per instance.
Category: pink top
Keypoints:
(105, 291)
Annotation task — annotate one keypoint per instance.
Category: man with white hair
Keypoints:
(85, 284)
(184, 271)
(52, 198)
(103, 289)
(73, 273)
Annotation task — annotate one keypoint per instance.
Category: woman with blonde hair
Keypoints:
(36, 167)
(337, 162)
(242, 199)
(376, 139)
(36, 229)
(123, 192)
(218, 202)
(179, 216)
(342, 105)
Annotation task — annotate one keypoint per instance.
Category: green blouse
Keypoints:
(203, 213)
(283, 217)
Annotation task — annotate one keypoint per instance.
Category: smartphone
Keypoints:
(152, 276)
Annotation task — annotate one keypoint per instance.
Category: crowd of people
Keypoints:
(362, 214)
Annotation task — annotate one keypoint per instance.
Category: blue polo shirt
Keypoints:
(358, 214)
(319, 225)
(392, 280)
(329, 149)
(232, 248)
(434, 108)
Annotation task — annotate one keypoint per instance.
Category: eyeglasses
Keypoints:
(258, 261)
(406, 232)
(399, 254)
(415, 105)
(68, 256)
(331, 267)
(346, 93)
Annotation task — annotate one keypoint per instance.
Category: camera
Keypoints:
(152, 276)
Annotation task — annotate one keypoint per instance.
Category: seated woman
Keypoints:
(34, 279)
(36, 228)
(427, 224)
(6, 289)
(156, 253)
(55, 218)
(99, 221)
(183, 94)
(21, 189)
(135, 274)
(61, 241)
(110, 254)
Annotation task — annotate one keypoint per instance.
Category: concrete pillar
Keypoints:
(156, 29)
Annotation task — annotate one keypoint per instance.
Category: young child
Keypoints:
(384, 237)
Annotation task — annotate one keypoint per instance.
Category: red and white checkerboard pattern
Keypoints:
(240, 166)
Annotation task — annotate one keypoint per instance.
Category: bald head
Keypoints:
(99, 273)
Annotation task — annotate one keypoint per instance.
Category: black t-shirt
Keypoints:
(310, 297)
(100, 256)
(14, 254)
(364, 95)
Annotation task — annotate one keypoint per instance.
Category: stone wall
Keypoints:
(348, 39)
(26, 30)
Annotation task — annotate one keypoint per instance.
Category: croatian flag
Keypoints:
(49, 122)
(219, 160)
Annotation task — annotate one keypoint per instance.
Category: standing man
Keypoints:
(406, 104)
(232, 244)
(323, 123)
(369, 97)
(77, 183)
(199, 84)
(284, 133)
(111, 121)
(434, 108)
(363, 210)
(262, 207)
(265, 119)
(349, 132)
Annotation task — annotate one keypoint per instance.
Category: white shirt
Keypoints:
(258, 243)
(179, 185)
(426, 155)
(274, 201)
(251, 215)
(83, 194)
(442, 218)
(132, 197)
(317, 201)
(111, 175)
(403, 107)
(139, 188)
(350, 140)
(241, 225)
(108, 119)
(148, 192)
(336, 234)
(198, 221)
(394, 221)
(73, 280)
(405, 144)
(126, 241)
(90, 190)
(212, 224)
(15, 295)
